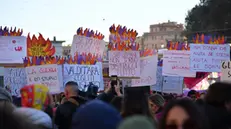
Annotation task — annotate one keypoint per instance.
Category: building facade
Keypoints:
(160, 33)
(58, 46)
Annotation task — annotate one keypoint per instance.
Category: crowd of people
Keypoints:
(116, 109)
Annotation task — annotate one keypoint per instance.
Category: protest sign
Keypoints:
(83, 44)
(48, 75)
(124, 63)
(159, 80)
(173, 84)
(12, 49)
(83, 75)
(148, 66)
(14, 80)
(176, 63)
(208, 57)
(226, 71)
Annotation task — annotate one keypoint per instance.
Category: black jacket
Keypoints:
(63, 115)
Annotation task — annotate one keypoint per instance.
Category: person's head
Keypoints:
(192, 94)
(96, 115)
(117, 102)
(202, 96)
(5, 95)
(137, 122)
(71, 89)
(156, 102)
(219, 95)
(183, 114)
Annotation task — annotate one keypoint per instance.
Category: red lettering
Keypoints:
(223, 48)
(47, 70)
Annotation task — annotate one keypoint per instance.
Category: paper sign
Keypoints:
(173, 84)
(148, 66)
(12, 49)
(14, 80)
(82, 44)
(83, 75)
(159, 80)
(176, 63)
(208, 57)
(226, 71)
(48, 75)
(124, 63)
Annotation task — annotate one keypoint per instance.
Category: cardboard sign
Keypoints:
(173, 84)
(14, 80)
(148, 67)
(124, 63)
(176, 63)
(208, 57)
(48, 75)
(82, 44)
(83, 75)
(12, 49)
(226, 71)
(159, 80)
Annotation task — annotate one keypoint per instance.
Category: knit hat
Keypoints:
(137, 122)
(5, 95)
(157, 99)
(96, 115)
(37, 117)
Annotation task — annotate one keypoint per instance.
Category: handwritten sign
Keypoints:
(173, 84)
(82, 44)
(176, 63)
(226, 71)
(159, 80)
(14, 80)
(148, 66)
(83, 75)
(12, 49)
(124, 63)
(208, 57)
(48, 75)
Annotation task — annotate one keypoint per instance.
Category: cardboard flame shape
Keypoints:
(177, 46)
(208, 39)
(87, 59)
(148, 52)
(39, 46)
(122, 39)
(89, 33)
(10, 32)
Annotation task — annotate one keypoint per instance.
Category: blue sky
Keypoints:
(61, 18)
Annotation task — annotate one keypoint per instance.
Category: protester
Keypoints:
(96, 114)
(5, 95)
(192, 94)
(183, 114)
(217, 107)
(65, 111)
(37, 117)
(117, 102)
(138, 122)
(157, 104)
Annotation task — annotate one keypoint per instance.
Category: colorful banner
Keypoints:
(88, 42)
(14, 80)
(176, 63)
(83, 75)
(124, 63)
(12, 49)
(177, 46)
(206, 39)
(208, 57)
(191, 82)
(49, 75)
(10, 32)
(148, 67)
(226, 71)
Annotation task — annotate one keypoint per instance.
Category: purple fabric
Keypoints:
(158, 116)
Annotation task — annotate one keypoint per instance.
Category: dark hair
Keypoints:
(218, 94)
(117, 102)
(191, 92)
(194, 113)
(136, 106)
(71, 83)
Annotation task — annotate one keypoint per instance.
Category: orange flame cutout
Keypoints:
(148, 52)
(177, 46)
(10, 32)
(208, 39)
(89, 33)
(39, 46)
(122, 39)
